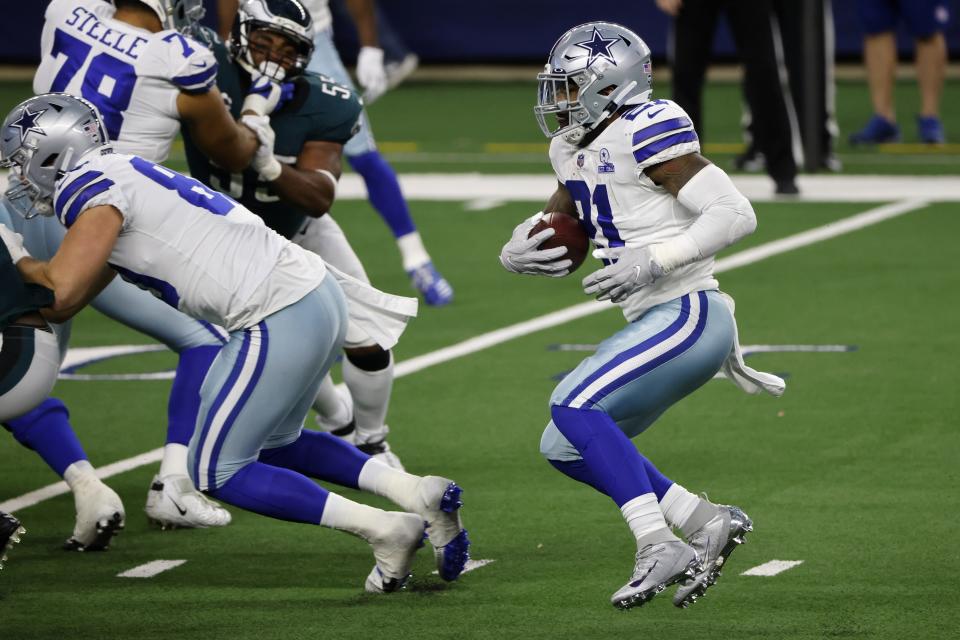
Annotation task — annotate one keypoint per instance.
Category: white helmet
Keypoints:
(605, 64)
(42, 139)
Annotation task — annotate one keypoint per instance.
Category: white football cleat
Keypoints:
(394, 551)
(375, 445)
(439, 505)
(100, 515)
(658, 566)
(174, 502)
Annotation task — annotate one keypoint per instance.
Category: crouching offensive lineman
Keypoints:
(286, 314)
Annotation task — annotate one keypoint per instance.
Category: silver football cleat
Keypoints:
(10, 532)
(714, 542)
(658, 566)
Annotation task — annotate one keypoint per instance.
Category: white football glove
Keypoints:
(521, 255)
(370, 73)
(265, 89)
(263, 161)
(14, 242)
(635, 268)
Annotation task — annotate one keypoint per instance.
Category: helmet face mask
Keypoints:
(591, 71)
(43, 138)
(254, 32)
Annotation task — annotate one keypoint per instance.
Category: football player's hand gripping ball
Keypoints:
(521, 254)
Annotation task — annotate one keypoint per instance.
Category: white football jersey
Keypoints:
(620, 206)
(193, 247)
(131, 75)
(320, 13)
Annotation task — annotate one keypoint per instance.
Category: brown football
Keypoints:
(569, 234)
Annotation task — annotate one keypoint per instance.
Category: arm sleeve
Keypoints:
(725, 216)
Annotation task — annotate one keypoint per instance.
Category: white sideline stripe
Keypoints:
(536, 187)
(470, 566)
(150, 569)
(59, 488)
(493, 338)
(772, 568)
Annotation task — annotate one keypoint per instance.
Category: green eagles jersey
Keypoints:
(320, 110)
(17, 297)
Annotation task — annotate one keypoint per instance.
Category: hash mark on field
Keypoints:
(470, 566)
(150, 569)
(772, 568)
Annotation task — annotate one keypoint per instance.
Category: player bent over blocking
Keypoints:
(629, 168)
(286, 315)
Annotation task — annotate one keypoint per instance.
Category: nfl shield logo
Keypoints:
(580, 160)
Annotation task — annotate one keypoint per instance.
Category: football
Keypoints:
(569, 234)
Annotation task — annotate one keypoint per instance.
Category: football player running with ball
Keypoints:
(286, 314)
(658, 212)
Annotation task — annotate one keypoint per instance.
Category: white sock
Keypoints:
(333, 407)
(397, 486)
(352, 517)
(371, 397)
(77, 472)
(412, 251)
(680, 506)
(643, 515)
(174, 461)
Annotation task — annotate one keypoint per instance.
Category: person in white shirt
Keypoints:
(629, 169)
(211, 258)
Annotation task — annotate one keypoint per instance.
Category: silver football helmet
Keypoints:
(289, 18)
(182, 15)
(42, 139)
(592, 70)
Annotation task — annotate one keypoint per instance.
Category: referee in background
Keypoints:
(695, 22)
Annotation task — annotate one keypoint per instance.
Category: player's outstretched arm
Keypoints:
(225, 141)
(310, 184)
(725, 215)
(79, 270)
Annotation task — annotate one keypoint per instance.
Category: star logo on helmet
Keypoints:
(598, 47)
(28, 122)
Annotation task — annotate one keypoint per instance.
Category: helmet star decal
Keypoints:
(28, 122)
(598, 47)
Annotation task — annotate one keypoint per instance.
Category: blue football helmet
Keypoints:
(592, 70)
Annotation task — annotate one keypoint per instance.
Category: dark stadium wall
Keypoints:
(493, 31)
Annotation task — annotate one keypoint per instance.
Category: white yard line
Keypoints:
(537, 187)
(470, 566)
(772, 568)
(499, 336)
(150, 569)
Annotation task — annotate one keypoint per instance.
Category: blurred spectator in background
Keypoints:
(695, 22)
(925, 19)
(808, 91)
(398, 60)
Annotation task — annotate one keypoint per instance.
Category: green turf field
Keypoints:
(853, 471)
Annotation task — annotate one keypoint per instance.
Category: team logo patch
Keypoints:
(605, 165)
(598, 47)
(580, 160)
(27, 122)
